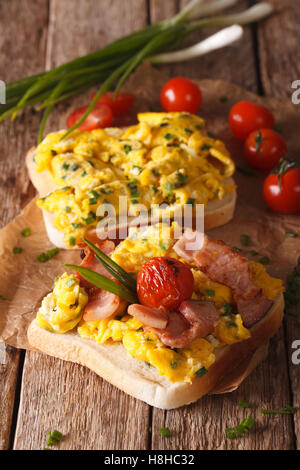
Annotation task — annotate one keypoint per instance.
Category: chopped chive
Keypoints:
(253, 253)
(239, 430)
(164, 124)
(169, 188)
(168, 136)
(188, 131)
(231, 324)
(70, 283)
(245, 404)
(287, 409)
(76, 225)
(236, 248)
(72, 241)
(290, 234)
(163, 246)
(53, 438)
(165, 432)
(2, 297)
(201, 372)
(43, 257)
(173, 364)
(17, 250)
(245, 240)
(210, 292)
(264, 260)
(74, 167)
(26, 232)
(53, 152)
(205, 147)
(127, 148)
(68, 209)
(223, 99)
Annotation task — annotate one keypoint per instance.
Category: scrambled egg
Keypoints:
(62, 309)
(165, 159)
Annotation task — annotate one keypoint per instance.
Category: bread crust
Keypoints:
(216, 213)
(112, 362)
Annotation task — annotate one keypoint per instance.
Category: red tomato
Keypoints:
(245, 117)
(119, 105)
(101, 116)
(264, 148)
(281, 189)
(181, 94)
(164, 282)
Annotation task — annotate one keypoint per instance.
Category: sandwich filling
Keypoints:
(179, 342)
(166, 159)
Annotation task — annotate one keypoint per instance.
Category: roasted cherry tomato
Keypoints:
(264, 148)
(101, 116)
(281, 188)
(245, 117)
(119, 104)
(164, 282)
(181, 94)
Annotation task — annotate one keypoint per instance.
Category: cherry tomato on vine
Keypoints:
(164, 282)
(101, 116)
(245, 117)
(264, 148)
(281, 189)
(118, 104)
(182, 95)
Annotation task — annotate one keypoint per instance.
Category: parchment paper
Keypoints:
(24, 281)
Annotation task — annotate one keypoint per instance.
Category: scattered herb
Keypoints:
(163, 246)
(290, 234)
(68, 209)
(155, 172)
(53, 152)
(154, 189)
(43, 257)
(188, 131)
(245, 240)
(168, 136)
(72, 241)
(26, 232)
(227, 309)
(210, 292)
(165, 432)
(245, 404)
(127, 148)
(164, 124)
(231, 324)
(84, 173)
(65, 166)
(173, 364)
(90, 219)
(53, 437)
(74, 167)
(205, 147)
(201, 372)
(2, 297)
(70, 283)
(76, 225)
(169, 188)
(239, 430)
(253, 253)
(236, 248)
(264, 260)
(287, 409)
(17, 250)
(106, 190)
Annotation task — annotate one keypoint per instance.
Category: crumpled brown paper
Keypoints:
(24, 281)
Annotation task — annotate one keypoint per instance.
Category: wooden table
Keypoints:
(40, 393)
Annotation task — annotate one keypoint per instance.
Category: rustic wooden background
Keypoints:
(40, 393)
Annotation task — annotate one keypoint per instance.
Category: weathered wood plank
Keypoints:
(202, 425)
(89, 412)
(56, 394)
(28, 23)
(279, 39)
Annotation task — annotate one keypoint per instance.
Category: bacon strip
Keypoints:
(195, 319)
(226, 266)
(149, 316)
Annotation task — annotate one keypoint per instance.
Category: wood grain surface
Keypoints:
(38, 34)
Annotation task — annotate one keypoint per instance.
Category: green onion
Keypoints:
(113, 268)
(43, 257)
(209, 292)
(264, 260)
(165, 432)
(26, 232)
(245, 240)
(53, 437)
(2, 297)
(17, 250)
(287, 409)
(201, 372)
(239, 430)
(244, 404)
(290, 234)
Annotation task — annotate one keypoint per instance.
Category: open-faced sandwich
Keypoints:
(163, 319)
(166, 159)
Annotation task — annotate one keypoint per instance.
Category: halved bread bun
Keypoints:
(112, 362)
(216, 213)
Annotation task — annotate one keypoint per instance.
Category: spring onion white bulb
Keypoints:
(222, 38)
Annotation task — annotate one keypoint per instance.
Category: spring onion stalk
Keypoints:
(104, 283)
(113, 64)
(222, 38)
